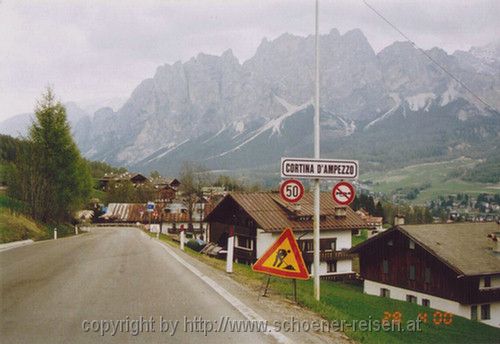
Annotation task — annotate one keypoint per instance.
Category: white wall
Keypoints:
(495, 282)
(373, 288)
(264, 241)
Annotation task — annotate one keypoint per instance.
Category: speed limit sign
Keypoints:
(291, 190)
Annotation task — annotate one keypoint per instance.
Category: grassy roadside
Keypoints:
(16, 225)
(347, 302)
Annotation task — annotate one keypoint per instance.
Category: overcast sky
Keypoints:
(97, 50)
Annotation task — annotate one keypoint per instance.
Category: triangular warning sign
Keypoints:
(283, 258)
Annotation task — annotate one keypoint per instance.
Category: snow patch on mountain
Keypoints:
(449, 95)
(420, 101)
(173, 147)
(216, 134)
(274, 125)
(239, 127)
(397, 100)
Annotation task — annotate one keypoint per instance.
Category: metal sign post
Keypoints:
(317, 169)
(316, 181)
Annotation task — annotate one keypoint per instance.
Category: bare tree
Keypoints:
(193, 177)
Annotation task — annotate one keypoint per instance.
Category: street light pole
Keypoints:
(316, 219)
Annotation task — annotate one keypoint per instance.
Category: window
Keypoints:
(485, 312)
(411, 298)
(385, 292)
(385, 266)
(412, 245)
(307, 246)
(412, 273)
(244, 243)
(327, 244)
(427, 275)
(426, 302)
(332, 266)
(487, 281)
(473, 312)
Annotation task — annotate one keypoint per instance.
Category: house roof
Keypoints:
(272, 214)
(125, 212)
(464, 247)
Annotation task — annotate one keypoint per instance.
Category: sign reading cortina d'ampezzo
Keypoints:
(319, 168)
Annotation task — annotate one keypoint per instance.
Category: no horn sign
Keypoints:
(343, 193)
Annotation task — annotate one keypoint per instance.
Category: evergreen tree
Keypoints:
(53, 178)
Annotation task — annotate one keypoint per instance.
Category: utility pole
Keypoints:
(316, 219)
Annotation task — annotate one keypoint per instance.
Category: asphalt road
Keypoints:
(62, 291)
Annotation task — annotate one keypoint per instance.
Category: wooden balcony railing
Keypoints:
(243, 254)
(488, 295)
(326, 256)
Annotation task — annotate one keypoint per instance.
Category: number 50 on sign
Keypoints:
(291, 190)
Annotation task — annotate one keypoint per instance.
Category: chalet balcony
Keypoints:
(488, 295)
(241, 253)
(327, 256)
(349, 276)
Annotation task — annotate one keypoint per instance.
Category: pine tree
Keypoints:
(58, 180)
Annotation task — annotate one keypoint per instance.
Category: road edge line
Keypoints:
(245, 310)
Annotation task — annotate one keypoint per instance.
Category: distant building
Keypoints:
(373, 222)
(454, 268)
(259, 218)
(134, 178)
(125, 213)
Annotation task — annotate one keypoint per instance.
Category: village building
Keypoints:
(124, 213)
(373, 222)
(451, 267)
(134, 178)
(258, 219)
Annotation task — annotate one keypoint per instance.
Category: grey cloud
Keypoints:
(89, 49)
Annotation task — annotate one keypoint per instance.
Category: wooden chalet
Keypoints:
(134, 178)
(451, 267)
(259, 218)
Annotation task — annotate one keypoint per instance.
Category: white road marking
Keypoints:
(246, 311)
(15, 244)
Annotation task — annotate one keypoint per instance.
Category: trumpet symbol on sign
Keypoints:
(343, 193)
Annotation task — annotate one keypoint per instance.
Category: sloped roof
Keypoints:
(125, 212)
(465, 247)
(272, 214)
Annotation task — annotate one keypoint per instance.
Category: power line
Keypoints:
(428, 56)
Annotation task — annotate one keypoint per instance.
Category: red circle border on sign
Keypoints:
(350, 199)
(289, 181)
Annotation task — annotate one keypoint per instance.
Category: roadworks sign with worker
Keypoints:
(283, 259)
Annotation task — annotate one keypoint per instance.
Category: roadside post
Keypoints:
(55, 233)
(230, 250)
(76, 230)
(182, 236)
(150, 207)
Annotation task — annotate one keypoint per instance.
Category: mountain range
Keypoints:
(387, 109)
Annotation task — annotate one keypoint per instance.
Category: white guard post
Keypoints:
(182, 236)
(230, 251)
(55, 233)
